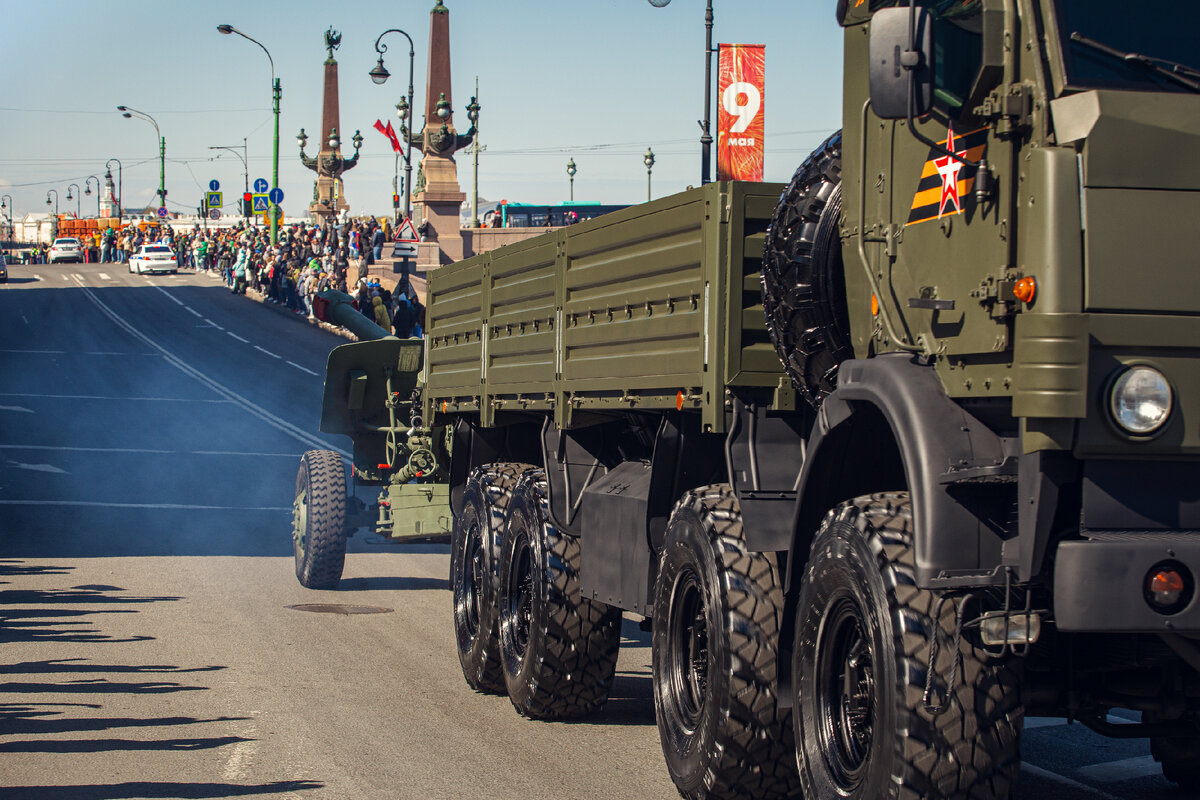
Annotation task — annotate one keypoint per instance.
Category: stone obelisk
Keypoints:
(438, 197)
(329, 195)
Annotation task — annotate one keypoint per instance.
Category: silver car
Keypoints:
(66, 249)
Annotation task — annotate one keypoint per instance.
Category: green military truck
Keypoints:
(887, 459)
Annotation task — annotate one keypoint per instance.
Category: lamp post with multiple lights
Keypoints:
(706, 139)
(54, 225)
(571, 175)
(245, 166)
(473, 115)
(6, 202)
(276, 94)
(108, 175)
(130, 113)
(380, 75)
(648, 159)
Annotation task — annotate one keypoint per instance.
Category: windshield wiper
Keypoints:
(1173, 70)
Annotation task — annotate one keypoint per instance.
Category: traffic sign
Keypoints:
(260, 185)
(214, 185)
(260, 203)
(277, 211)
(275, 195)
(213, 200)
(406, 231)
(214, 213)
(162, 211)
(404, 249)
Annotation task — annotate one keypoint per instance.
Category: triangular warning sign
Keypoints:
(406, 231)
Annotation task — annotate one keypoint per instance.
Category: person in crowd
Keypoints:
(381, 314)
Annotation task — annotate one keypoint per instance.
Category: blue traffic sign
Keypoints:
(162, 211)
(276, 195)
(260, 203)
(260, 185)
(214, 185)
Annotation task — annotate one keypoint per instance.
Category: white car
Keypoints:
(151, 258)
(66, 249)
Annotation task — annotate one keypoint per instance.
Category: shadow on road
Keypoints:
(120, 791)
(394, 583)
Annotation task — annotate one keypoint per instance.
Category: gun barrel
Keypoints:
(338, 308)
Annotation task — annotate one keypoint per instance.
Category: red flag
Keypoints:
(387, 131)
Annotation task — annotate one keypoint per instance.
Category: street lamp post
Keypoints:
(78, 200)
(245, 164)
(87, 189)
(473, 115)
(649, 161)
(108, 166)
(380, 75)
(6, 202)
(276, 95)
(54, 225)
(130, 113)
(571, 175)
(706, 124)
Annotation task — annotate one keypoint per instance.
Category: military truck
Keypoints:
(888, 458)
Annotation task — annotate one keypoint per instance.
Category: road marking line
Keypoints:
(37, 277)
(240, 339)
(274, 421)
(268, 352)
(237, 766)
(16, 408)
(142, 450)
(78, 277)
(174, 299)
(24, 320)
(38, 352)
(38, 467)
(1054, 777)
(302, 369)
(106, 397)
(104, 276)
(194, 312)
(1123, 770)
(215, 325)
(170, 506)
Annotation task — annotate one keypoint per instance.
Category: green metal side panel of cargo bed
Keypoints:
(629, 311)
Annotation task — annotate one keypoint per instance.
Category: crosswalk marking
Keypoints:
(104, 276)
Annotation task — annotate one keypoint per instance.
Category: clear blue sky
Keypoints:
(593, 80)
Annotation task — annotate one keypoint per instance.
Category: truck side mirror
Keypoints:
(901, 62)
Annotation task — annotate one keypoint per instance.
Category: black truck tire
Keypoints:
(558, 648)
(804, 289)
(1180, 759)
(860, 658)
(717, 615)
(473, 572)
(319, 520)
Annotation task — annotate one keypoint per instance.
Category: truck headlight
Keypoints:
(1141, 400)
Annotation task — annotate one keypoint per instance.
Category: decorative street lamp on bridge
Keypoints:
(380, 75)
(571, 176)
(78, 200)
(130, 113)
(87, 189)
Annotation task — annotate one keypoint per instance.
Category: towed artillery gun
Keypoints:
(370, 396)
(888, 458)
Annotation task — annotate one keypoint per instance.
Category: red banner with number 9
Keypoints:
(740, 88)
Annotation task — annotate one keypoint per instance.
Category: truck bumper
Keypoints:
(1099, 582)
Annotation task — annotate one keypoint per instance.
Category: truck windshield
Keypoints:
(1150, 34)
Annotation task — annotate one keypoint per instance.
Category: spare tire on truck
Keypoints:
(804, 289)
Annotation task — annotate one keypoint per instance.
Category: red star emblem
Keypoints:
(949, 168)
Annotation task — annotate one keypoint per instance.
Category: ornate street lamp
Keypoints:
(649, 161)
(54, 226)
(78, 200)
(108, 166)
(276, 94)
(571, 174)
(473, 115)
(705, 126)
(380, 75)
(87, 189)
(9, 206)
(130, 113)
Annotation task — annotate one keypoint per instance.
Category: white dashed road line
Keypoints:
(302, 369)
(193, 312)
(240, 339)
(104, 276)
(215, 325)
(174, 299)
(268, 352)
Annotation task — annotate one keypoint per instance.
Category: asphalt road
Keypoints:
(150, 430)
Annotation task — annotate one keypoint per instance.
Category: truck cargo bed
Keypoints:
(657, 306)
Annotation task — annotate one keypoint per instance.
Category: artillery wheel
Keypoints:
(860, 659)
(474, 565)
(319, 520)
(804, 289)
(558, 648)
(717, 614)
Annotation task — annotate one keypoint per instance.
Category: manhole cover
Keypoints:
(338, 608)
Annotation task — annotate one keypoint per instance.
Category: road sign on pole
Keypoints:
(260, 203)
(214, 199)
(214, 213)
(162, 211)
(275, 195)
(214, 185)
(260, 185)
